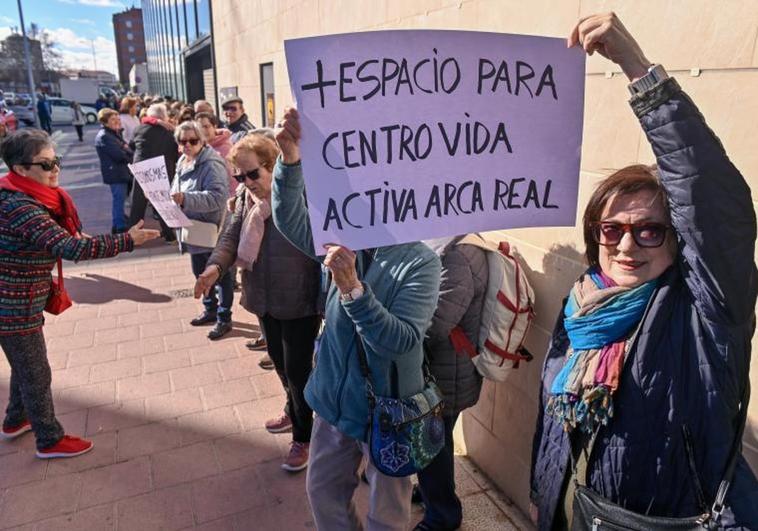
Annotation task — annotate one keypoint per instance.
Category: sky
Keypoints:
(75, 25)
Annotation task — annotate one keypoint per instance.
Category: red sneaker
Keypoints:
(67, 447)
(281, 424)
(11, 432)
(297, 460)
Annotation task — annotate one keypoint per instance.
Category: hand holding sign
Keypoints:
(288, 136)
(605, 34)
(341, 262)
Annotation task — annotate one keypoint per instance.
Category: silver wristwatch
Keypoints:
(655, 74)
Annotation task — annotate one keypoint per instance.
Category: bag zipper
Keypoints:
(597, 522)
(436, 409)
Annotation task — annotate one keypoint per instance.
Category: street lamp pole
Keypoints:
(28, 58)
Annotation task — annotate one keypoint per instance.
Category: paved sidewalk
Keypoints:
(176, 419)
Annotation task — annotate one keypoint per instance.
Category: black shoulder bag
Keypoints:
(593, 512)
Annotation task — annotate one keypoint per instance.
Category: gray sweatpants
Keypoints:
(30, 394)
(333, 477)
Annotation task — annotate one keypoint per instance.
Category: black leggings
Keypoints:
(290, 345)
(30, 394)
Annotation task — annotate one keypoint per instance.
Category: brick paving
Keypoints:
(177, 420)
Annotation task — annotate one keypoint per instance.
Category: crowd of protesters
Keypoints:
(667, 289)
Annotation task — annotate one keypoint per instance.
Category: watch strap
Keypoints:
(655, 74)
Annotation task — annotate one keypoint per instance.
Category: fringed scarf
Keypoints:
(599, 318)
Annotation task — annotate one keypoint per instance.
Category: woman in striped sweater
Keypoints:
(38, 227)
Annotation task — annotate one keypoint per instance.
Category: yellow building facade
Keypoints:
(710, 46)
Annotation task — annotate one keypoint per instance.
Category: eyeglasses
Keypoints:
(608, 234)
(231, 108)
(46, 165)
(190, 141)
(252, 175)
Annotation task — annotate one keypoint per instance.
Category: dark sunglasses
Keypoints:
(608, 234)
(47, 165)
(190, 141)
(252, 175)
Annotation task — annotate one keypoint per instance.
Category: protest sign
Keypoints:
(152, 176)
(409, 135)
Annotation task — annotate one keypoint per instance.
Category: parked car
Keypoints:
(10, 98)
(63, 113)
(23, 98)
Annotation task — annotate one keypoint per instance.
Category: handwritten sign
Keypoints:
(409, 135)
(152, 176)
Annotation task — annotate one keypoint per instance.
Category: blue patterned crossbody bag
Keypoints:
(404, 434)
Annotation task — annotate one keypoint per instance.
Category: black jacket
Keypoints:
(114, 156)
(153, 141)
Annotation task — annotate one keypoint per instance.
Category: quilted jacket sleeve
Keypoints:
(456, 293)
(711, 207)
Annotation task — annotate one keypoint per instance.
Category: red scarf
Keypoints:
(56, 200)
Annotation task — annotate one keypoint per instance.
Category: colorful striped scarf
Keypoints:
(599, 318)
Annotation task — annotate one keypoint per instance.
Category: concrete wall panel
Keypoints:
(720, 38)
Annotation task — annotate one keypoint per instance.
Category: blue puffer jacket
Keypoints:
(691, 358)
(114, 156)
(401, 286)
(205, 185)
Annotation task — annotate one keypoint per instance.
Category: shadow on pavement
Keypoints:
(98, 289)
(154, 468)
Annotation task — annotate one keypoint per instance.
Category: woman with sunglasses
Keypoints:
(647, 370)
(280, 285)
(201, 189)
(39, 226)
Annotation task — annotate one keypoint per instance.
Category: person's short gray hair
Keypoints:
(189, 125)
(200, 104)
(23, 145)
(157, 110)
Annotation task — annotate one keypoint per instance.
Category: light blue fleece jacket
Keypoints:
(205, 186)
(401, 288)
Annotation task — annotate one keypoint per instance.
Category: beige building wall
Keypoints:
(710, 46)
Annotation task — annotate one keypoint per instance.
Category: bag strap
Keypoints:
(60, 273)
(718, 504)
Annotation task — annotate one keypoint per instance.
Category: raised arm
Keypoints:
(288, 203)
(711, 207)
(710, 202)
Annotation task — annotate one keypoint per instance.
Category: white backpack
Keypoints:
(506, 315)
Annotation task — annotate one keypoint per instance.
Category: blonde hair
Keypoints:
(264, 148)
